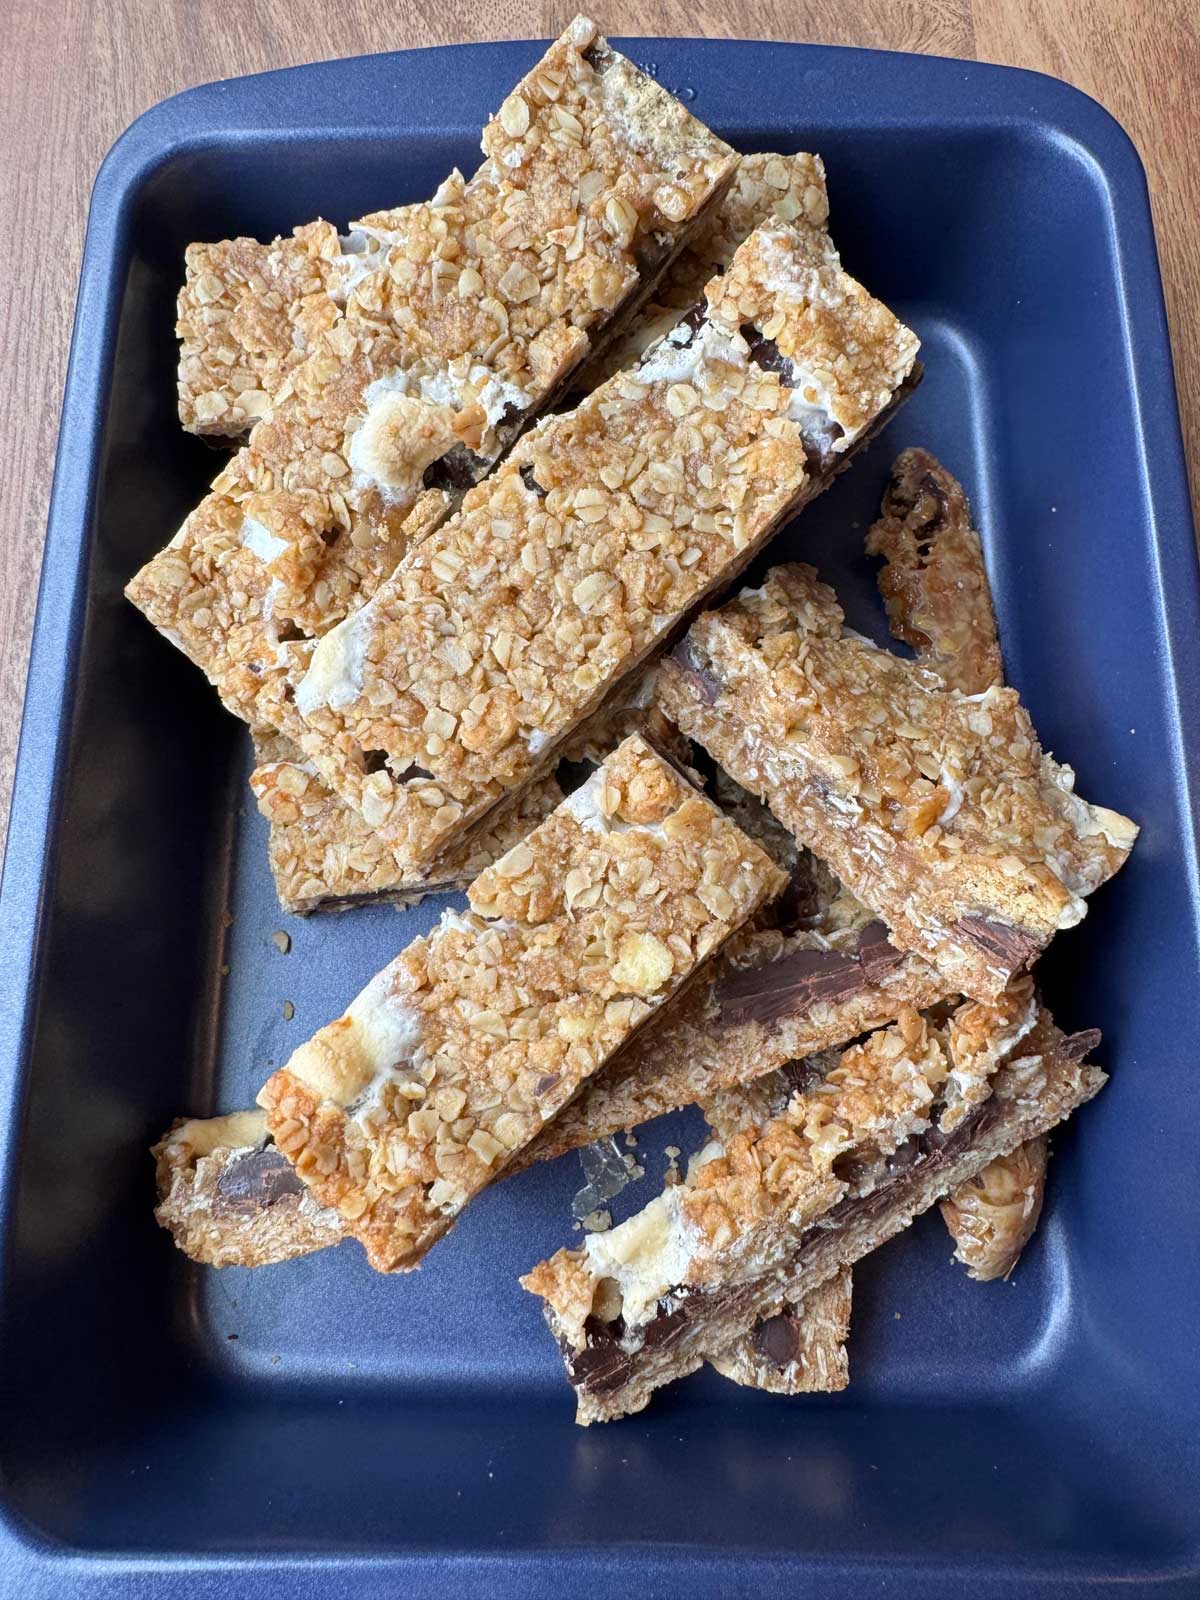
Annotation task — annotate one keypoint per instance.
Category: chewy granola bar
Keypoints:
(461, 323)
(503, 629)
(938, 810)
(459, 1051)
(789, 1202)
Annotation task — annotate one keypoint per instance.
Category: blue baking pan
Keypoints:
(315, 1429)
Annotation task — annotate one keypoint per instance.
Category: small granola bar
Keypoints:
(324, 855)
(790, 1202)
(934, 581)
(229, 1199)
(463, 319)
(558, 576)
(460, 1050)
(938, 810)
(766, 188)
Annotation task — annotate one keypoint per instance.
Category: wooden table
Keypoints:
(73, 73)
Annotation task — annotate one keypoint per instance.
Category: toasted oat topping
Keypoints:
(506, 626)
(459, 1051)
(939, 810)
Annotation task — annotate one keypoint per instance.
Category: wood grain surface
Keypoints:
(74, 73)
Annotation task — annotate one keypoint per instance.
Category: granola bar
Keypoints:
(939, 811)
(324, 855)
(766, 188)
(789, 1203)
(229, 1199)
(799, 1349)
(558, 576)
(459, 1051)
(460, 324)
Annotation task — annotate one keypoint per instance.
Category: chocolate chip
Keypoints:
(599, 56)
(530, 482)
(458, 470)
(777, 1338)
(709, 686)
(257, 1180)
(1012, 947)
(374, 760)
(765, 353)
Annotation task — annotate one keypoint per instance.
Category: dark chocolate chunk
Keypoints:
(256, 1180)
(1012, 947)
(530, 482)
(765, 353)
(687, 658)
(777, 1339)
(877, 953)
(793, 984)
(601, 1366)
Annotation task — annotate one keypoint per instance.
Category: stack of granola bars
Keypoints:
(500, 459)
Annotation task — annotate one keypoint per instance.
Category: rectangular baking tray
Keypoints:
(318, 1429)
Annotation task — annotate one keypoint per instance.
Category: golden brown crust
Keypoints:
(457, 1054)
(934, 582)
(939, 811)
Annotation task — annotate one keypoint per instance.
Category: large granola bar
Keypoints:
(940, 811)
(460, 1050)
(764, 1221)
(558, 576)
(460, 325)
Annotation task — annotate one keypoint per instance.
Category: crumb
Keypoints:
(631, 1137)
(289, 1011)
(896, 1316)
(224, 969)
(282, 942)
(227, 919)
(231, 1337)
(275, 1360)
(672, 1175)
(598, 1221)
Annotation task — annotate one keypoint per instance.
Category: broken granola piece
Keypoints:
(463, 318)
(765, 188)
(992, 1216)
(938, 810)
(789, 1203)
(229, 1199)
(934, 581)
(507, 626)
(458, 1052)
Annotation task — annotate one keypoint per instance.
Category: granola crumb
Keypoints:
(289, 1011)
(282, 942)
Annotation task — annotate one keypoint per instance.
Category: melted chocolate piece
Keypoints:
(601, 1367)
(1012, 947)
(257, 1180)
(777, 1339)
(795, 982)
(687, 658)
(530, 482)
